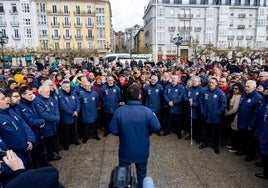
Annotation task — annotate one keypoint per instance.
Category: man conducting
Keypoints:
(133, 131)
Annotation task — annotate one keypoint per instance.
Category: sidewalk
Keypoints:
(173, 163)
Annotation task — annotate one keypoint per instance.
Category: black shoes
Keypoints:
(55, 157)
(261, 175)
(188, 138)
(106, 133)
(259, 164)
(158, 133)
(179, 136)
(203, 146)
(85, 140)
(66, 148)
(96, 137)
(216, 150)
(249, 158)
(165, 133)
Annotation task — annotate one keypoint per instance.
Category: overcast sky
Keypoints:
(127, 13)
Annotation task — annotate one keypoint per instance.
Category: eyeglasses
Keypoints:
(235, 88)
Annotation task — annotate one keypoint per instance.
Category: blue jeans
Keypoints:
(141, 170)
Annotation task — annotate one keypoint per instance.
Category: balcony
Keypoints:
(90, 13)
(43, 36)
(90, 25)
(241, 15)
(67, 37)
(16, 37)
(185, 16)
(78, 37)
(241, 27)
(240, 37)
(14, 24)
(3, 23)
(55, 37)
(197, 29)
(249, 37)
(78, 25)
(55, 24)
(66, 24)
(13, 12)
(90, 37)
(171, 28)
(230, 37)
(2, 12)
(185, 28)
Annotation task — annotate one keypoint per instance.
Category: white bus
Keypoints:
(126, 57)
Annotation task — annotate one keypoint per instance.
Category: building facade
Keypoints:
(57, 24)
(224, 24)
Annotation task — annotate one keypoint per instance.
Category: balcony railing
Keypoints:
(240, 37)
(90, 37)
(16, 37)
(185, 16)
(11, 12)
(66, 24)
(78, 25)
(3, 23)
(55, 37)
(241, 27)
(15, 24)
(78, 37)
(67, 37)
(90, 25)
(249, 37)
(55, 24)
(230, 37)
(185, 28)
(241, 15)
(197, 29)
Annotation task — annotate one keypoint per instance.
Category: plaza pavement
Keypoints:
(173, 163)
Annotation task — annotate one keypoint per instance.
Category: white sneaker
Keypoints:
(229, 146)
(232, 150)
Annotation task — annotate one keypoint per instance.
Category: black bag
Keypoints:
(230, 118)
(122, 177)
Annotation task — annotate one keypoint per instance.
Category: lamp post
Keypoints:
(3, 40)
(107, 47)
(178, 41)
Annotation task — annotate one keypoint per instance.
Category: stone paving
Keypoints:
(173, 163)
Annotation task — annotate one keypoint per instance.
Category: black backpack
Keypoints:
(122, 177)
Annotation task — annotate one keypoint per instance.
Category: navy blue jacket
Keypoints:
(133, 131)
(248, 110)
(29, 115)
(174, 94)
(47, 110)
(89, 106)
(68, 104)
(153, 95)
(194, 93)
(14, 131)
(213, 104)
(263, 138)
(110, 97)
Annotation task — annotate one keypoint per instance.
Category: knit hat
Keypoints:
(10, 82)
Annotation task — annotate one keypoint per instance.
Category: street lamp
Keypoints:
(178, 41)
(3, 40)
(107, 46)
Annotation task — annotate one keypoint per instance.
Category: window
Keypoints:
(42, 7)
(216, 2)
(89, 33)
(90, 45)
(1, 7)
(193, 2)
(78, 21)
(56, 33)
(171, 12)
(67, 33)
(66, 21)
(247, 2)
(198, 13)
(100, 20)
(16, 33)
(79, 45)
(166, 1)
(57, 46)
(65, 9)
(204, 2)
(177, 1)
(100, 33)
(161, 12)
(25, 7)
(55, 20)
(89, 21)
(78, 33)
(171, 37)
(28, 33)
(237, 2)
(77, 9)
(26, 21)
(14, 8)
(89, 9)
(257, 3)
(68, 46)
(228, 2)
(100, 10)
(54, 8)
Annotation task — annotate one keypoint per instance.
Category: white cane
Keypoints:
(191, 125)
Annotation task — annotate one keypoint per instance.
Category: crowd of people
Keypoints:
(47, 108)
